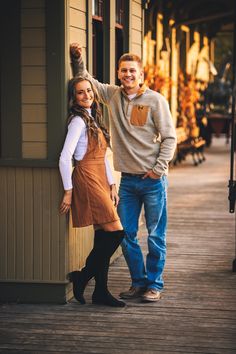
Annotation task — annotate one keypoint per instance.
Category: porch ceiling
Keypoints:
(209, 16)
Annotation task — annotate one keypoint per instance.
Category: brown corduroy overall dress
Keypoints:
(91, 201)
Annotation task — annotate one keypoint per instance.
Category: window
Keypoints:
(97, 8)
(120, 12)
(97, 13)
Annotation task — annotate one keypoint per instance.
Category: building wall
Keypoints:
(33, 79)
(136, 27)
(34, 244)
(33, 238)
(33, 235)
(77, 25)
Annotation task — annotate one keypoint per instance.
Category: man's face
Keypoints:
(129, 74)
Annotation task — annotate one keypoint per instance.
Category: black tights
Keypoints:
(97, 266)
(97, 262)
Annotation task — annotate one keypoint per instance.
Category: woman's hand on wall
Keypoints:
(66, 202)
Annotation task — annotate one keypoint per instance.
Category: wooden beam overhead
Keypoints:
(203, 19)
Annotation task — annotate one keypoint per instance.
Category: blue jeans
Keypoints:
(134, 193)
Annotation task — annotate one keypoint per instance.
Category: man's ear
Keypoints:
(118, 73)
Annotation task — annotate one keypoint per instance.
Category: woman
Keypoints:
(90, 191)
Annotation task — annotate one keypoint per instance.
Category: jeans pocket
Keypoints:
(155, 180)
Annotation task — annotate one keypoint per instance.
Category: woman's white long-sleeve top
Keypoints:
(75, 145)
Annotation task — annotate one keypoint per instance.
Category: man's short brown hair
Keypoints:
(130, 57)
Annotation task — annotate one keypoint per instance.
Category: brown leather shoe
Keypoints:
(133, 293)
(151, 295)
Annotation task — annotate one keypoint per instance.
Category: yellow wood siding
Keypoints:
(136, 27)
(76, 35)
(78, 4)
(77, 18)
(33, 79)
(76, 22)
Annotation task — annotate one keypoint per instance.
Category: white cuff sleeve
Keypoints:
(110, 177)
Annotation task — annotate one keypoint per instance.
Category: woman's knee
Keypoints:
(112, 226)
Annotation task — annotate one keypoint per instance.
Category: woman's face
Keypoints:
(84, 94)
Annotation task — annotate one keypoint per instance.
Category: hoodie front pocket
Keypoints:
(139, 115)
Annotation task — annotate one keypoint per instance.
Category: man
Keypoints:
(144, 141)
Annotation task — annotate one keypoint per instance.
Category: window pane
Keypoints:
(97, 8)
(120, 12)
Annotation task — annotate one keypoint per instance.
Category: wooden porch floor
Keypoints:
(197, 312)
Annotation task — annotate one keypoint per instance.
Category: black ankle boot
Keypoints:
(106, 299)
(79, 285)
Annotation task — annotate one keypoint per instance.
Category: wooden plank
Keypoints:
(72, 247)
(137, 23)
(29, 227)
(88, 242)
(57, 254)
(19, 224)
(78, 4)
(11, 224)
(3, 223)
(58, 230)
(34, 132)
(33, 56)
(63, 248)
(32, 18)
(38, 224)
(34, 113)
(136, 9)
(136, 49)
(33, 37)
(34, 94)
(77, 18)
(78, 35)
(33, 75)
(46, 225)
(34, 150)
(136, 37)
